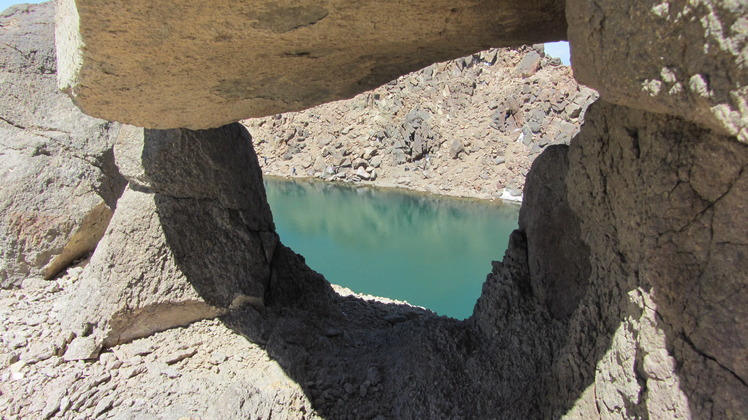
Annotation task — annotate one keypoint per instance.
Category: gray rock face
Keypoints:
(662, 207)
(557, 256)
(157, 64)
(192, 235)
(58, 182)
(680, 57)
(657, 327)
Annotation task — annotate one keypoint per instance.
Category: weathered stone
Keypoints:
(103, 405)
(529, 65)
(34, 283)
(558, 257)
(58, 182)
(156, 64)
(52, 404)
(674, 197)
(83, 348)
(656, 329)
(679, 57)
(455, 148)
(191, 238)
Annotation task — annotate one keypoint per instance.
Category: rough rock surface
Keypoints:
(180, 56)
(686, 58)
(192, 235)
(467, 127)
(204, 370)
(657, 330)
(629, 348)
(557, 257)
(675, 198)
(58, 182)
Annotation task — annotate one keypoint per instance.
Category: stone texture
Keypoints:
(674, 198)
(192, 235)
(58, 182)
(82, 348)
(159, 64)
(659, 328)
(529, 65)
(685, 58)
(557, 256)
(627, 350)
(658, 332)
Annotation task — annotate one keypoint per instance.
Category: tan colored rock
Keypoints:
(685, 58)
(198, 64)
(192, 236)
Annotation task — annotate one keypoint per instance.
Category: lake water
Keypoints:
(428, 250)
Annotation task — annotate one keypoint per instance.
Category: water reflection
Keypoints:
(431, 251)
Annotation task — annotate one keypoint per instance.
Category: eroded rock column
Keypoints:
(192, 236)
(663, 209)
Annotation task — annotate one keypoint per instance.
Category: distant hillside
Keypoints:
(467, 127)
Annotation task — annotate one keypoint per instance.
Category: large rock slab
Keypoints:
(58, 182)
(191, 238)
(198, 64)
(686, 58)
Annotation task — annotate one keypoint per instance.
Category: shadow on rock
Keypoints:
(584, 340)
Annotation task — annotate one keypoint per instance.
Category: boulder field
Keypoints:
(621, 295)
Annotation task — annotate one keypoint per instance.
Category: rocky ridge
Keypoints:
(469, 127)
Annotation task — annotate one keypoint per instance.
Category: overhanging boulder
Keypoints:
(198, 64)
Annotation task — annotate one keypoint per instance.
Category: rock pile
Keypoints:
(204, 370)
(466, 127)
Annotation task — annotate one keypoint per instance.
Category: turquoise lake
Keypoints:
(428, 250)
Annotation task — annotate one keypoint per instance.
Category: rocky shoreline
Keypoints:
(469, 127)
